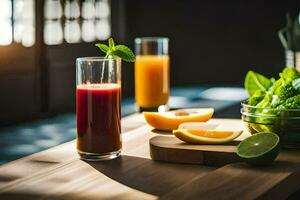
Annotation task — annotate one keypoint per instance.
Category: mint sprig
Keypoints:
(113, 50)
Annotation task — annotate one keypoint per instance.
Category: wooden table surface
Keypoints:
(59, 174)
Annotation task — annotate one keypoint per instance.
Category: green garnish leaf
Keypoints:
(111, 43)
(120, 51)
(255, 81)
(102, 47)
(124, 53)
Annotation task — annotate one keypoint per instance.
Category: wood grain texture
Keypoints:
(171, 149)
(240, 181)
(58, 174)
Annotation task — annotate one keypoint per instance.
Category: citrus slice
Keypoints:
(207, 136)
(172, 119)
(198, 125)
(259, 149)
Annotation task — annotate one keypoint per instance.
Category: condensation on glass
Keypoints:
(74, 21)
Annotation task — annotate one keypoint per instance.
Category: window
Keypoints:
(24, 22)
(74, 21)
(5, 23)
(72, 26)
(103, 29)
(53, 33)
(17, 22)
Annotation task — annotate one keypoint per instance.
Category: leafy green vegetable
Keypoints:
(277, 86)
(256, 98)
(287, 91)
(291, 103)
(283, 93)
(266, 101)
(120, 51)
(296, 84)
(255, 81)
(289, 74)
(283, 88)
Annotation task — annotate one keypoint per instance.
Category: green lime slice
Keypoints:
(259, 149)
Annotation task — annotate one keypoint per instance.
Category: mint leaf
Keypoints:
(111, 43)
(255, 81)
(102, 47)
(124, 53)
(120, 51)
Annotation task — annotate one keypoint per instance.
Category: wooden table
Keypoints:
(57, 173)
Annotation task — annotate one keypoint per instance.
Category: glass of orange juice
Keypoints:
(152, 73)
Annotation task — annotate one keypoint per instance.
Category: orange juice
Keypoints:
(152, 85)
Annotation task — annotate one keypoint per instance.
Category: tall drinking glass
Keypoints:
(98, 108)
(152, 72)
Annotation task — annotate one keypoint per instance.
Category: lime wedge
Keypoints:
(259, 149)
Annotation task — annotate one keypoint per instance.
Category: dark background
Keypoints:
(211, 42)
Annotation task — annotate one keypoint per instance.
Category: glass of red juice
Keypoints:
(98, 108)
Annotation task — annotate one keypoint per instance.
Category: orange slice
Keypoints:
(171, 120)
(204, 136)
(198, 125)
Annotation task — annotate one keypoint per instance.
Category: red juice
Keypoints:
(98, 108)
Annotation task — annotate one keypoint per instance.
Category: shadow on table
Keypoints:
(160, 132)
(151, 177)
(26, 196)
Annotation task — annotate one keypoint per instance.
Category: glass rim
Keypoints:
(150, 39)
(96, 58)
(245, 105)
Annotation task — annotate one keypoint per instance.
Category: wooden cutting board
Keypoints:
(166, 147)
(171, 149)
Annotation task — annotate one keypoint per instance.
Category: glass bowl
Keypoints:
(285, 123)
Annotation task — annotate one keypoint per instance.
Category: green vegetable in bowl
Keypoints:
(256, 82)
(256, 98)
(296, 84)
(291, 103)
(274, 108)
(289, 74)
(286, 92)
(266, 102)
(268, 93)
